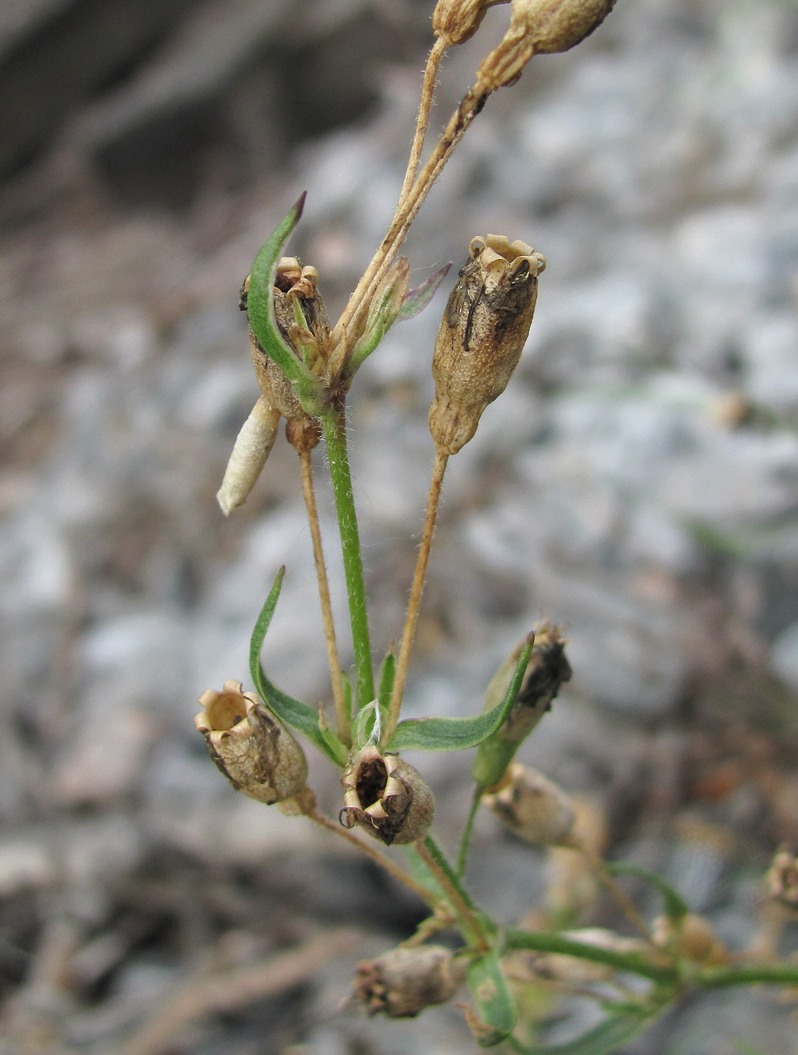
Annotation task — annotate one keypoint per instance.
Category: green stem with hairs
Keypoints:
(334, 425)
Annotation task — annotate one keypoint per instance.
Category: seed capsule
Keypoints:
(387, 797)
(482, 333)
(534, 808)
(403, 981)
(254, 751)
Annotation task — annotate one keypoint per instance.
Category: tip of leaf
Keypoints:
(299, 205)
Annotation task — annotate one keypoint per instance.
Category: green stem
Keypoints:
(475, 927)
(747, 974)
(334, 424)
(632, 962)
(465, 838)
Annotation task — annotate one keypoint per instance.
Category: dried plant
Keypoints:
(305, 369)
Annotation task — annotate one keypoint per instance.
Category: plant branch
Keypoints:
(631, 962)
(469, 918)
(309, 492)
(334, 425)
(416, 591)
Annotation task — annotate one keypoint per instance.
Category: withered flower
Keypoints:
(690, 937)
(482, 333)
(534, 808)
(254, 751)
(403, 981)
(539, 26)
(548, 668)
(387, 797)
(455, 21)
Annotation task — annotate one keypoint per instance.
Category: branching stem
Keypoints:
(309, 492)
(416, 592)
(334, 424)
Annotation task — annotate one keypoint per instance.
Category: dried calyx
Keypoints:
(534, 808)
(254, 751)
(405, 980)
(387, 797)
(482, 333)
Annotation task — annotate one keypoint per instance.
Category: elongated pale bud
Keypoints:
(547, 669)
(782, 879)
(254, 751)
(252, 447)
(403, 981)
(482, 333)
(533, 807)
(387, 797)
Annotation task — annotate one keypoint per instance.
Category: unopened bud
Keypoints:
(387, 797)
(534, 808)
(252, 447)
(547, 669)
(482, 333)
(254, 751)
(691, 937)
(403, 981)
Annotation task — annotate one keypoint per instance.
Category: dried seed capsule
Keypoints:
(482, 333)
(539, 26)
(690, 936)
(547, 669)
(387, 797)
(782, 879)
(455, 21)
(534, 808)
(254, 751)
(403, 981)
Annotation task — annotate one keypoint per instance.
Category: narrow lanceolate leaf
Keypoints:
(260, 308)
(674, 905)
(496, 1011)
(600, 1040)
(417, 299)
(457, 734)
(294, 713)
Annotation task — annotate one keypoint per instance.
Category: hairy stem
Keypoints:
(397, 873)
(468, 828)
(469, 919)
(309, 492)
(334, 424)
(422, 121)
(470, 106)
(416, 592)
(633, 962)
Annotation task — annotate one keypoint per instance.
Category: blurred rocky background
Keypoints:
(638, 483)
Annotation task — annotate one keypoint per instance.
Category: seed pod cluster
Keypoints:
(254, 751)
(482, 333)
(387, 797)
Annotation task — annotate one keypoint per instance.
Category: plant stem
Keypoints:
(334, 424)
(416, 591)
(309, 492)
(468, 828)
(631, 962)
(374, 854)
(611, 885)
(747, 974)
(469, 918)
(406, 212)
(422, 121)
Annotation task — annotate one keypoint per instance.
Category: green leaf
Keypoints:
(260, 312)
(674, 906)
(293, 713)
(496, 1010)
(458, 734)
(605, 1037)
(417, 299)
(387, 676)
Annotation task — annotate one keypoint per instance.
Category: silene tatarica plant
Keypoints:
(305, 367)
